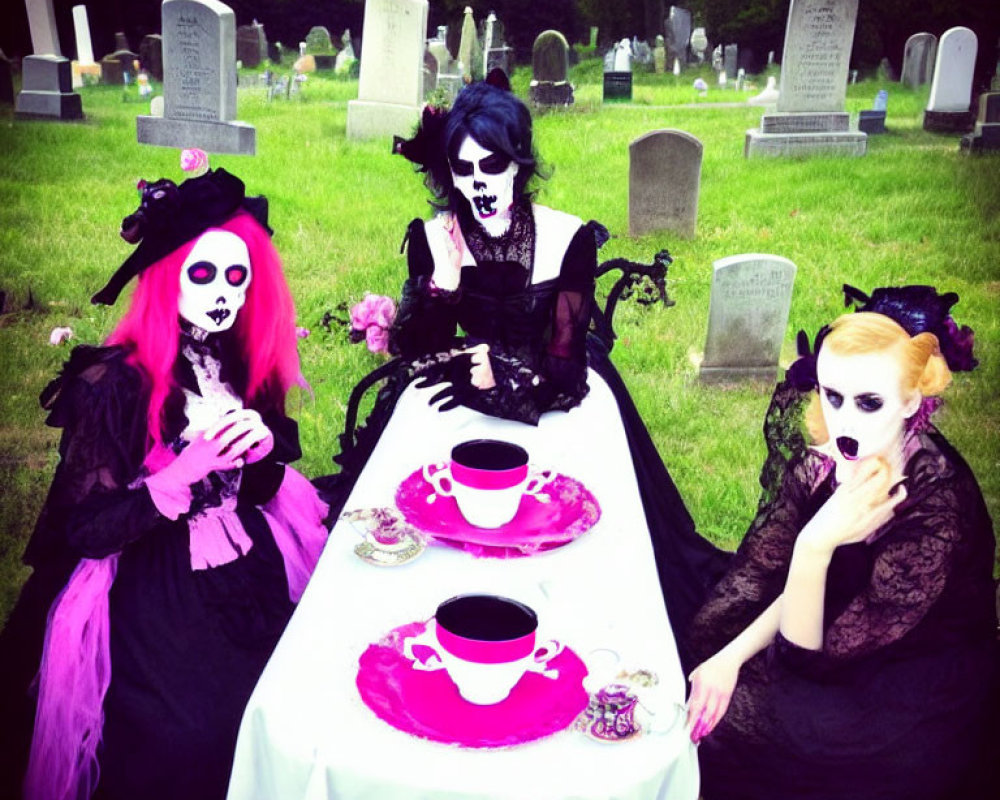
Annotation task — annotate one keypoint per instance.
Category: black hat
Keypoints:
(170, 215)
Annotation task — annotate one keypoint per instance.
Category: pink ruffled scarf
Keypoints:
(75, 670)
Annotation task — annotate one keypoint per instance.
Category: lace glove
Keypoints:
(453, 369)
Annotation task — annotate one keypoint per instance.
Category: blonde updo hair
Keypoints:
(924, 369)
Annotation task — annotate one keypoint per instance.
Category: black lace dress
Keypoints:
(900, 701)
(187, 641)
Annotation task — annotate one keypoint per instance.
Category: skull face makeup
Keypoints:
(214, 281)
(864, 406)
(486, 180)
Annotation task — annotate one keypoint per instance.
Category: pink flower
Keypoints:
(60, 335)
(375, 309)
(194, 160)
(302, 333)
(377, 339)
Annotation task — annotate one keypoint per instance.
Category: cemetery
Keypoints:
(767, 207)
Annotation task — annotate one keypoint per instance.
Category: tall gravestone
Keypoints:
(699, 44)
(199, 82)
(678, 30)
(918, 60)
(986, 136)
(46, 77)
(664, 177)
(151, 55)
(618, 73)
(390, 85)
(251, 44)
(470, 52)
(747, 317)
(810, 116)
(84, 64)
(730, 60)
(550, 84)
(948, 108)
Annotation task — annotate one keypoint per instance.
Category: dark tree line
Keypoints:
(882, 29)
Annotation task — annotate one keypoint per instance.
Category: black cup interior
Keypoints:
(486, 617)
(489, 454)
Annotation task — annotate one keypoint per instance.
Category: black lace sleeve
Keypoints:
(913, 561)
(759, 567)
(100, 404)
(427, 319)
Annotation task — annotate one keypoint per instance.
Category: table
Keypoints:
(306, 733)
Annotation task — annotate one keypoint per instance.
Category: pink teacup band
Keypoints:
(488, 479)
(486, 652)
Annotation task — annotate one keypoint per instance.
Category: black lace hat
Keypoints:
(170, 215)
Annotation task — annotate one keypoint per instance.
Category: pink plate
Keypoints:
(427, 704)
(571, 512)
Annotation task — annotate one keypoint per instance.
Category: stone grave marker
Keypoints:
(84, 68)
(6, 81)
(642, 53)
(438, 46)
(46, 77)
(121, 41)
(251, 45)
(918, 60)
(151, 55)
(199, 82)
(618, 79)
(678, 33)
(810, 115)
(127, 59)
(730, 59)
(664, 180)
(345, 58)
(112, 70)
(699, 44)
(660, 55)
(470, 52)
(873, 120)
(390, 84)
(747, 317)
(318, 41)
(550, 69)
(951, 88)
(986, 135)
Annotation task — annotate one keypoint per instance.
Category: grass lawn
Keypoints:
(913, 210)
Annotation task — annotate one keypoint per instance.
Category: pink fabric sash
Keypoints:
(76, 658)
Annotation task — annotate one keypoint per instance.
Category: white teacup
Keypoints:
(486, 643)
(487, 478)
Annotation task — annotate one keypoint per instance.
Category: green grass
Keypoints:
(913, 210)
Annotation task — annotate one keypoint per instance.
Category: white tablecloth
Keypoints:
(306, 733)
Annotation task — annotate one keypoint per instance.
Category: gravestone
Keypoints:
(918, 60)
(986, 136)
(642, 53)
(678, 33)
(873, 120)
(664, 179)
(660, 55)
(112, 71)
(251, 45)
(6, 81)
(390, 84)
(430, 73)
(438, 46)
(46, 77)
(951, 89)
(470, 53)
(810, 116)
(699, 44)
(199, 82)
(747, 317)
(83, 68)
(730, 59)
(618, 73)
(550, 69)
(127, 59)
(151, 55)
(344, 62)
(318, 41)
(121, 41)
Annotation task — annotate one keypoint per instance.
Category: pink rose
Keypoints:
(193, 160)
(377, 339)
(302, 333)
(375, 309)
(60, 335)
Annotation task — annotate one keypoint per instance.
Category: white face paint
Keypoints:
(863, 406)
(486, 180)
(214, 281)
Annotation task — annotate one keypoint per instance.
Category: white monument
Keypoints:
(47, 81)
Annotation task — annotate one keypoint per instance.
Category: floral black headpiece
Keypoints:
(170, 215)
(916, 309)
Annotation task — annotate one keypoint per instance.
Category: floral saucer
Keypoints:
(388, 540)
(572, 510)
(428, 705)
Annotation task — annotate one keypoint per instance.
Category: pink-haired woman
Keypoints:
(175, 539)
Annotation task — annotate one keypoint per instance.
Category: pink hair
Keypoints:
(264, 329)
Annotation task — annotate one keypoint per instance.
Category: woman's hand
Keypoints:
(859, 507)
(712, 685)
(481, 374)
(245, 433)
